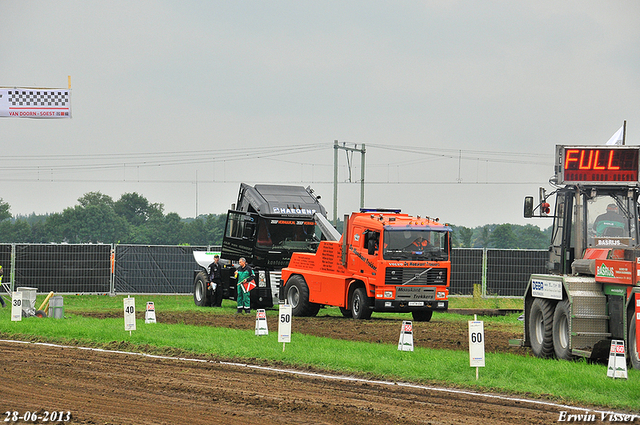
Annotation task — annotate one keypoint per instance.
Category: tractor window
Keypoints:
(415, 244)
(609, 216)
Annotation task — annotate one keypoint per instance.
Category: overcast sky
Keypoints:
(458, 103)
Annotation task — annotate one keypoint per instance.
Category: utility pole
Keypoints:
(335, 175)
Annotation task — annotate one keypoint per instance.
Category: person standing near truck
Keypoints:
(245, 279)
(215, 276)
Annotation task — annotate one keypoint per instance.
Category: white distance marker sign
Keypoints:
(16, 307)
(129, 314)
(476, 343)
(284, 323)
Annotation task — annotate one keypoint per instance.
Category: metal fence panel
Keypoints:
(155, 269)
(508, 270)
(63, 268)
(466, 269)
(66, 268)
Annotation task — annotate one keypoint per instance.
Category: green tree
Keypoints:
(466, 236)
(93, 224)
(134, 208)
(484, 236)
(95, 198)
(4, 210)
(531, 237)
(503, 237)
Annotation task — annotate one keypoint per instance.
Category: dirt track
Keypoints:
(115, 388)
(142, 390)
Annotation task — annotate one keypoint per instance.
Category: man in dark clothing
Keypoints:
(611, 223)
(215, 276)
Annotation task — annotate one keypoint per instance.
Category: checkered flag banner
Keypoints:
(35, 103)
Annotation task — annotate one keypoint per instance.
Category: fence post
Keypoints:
(12, 275)
(112, 278)
(484, 272)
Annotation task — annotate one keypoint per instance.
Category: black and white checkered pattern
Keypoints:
(38, 98)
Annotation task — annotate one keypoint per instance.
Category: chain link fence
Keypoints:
(129, 269)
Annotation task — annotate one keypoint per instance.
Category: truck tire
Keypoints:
(422, 315)
(541, 328)
(297, 294)
(360, 304)
(346, 313)
(634, 357)
(200, 291)
(561, 336)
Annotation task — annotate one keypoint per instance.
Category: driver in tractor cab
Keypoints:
(611, 223)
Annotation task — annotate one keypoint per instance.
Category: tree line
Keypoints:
(97, 218)
(132, 219)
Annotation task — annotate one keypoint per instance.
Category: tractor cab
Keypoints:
(590, 221)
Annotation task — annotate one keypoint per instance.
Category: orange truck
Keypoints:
(384, 261)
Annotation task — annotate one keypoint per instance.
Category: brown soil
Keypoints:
(117, 388)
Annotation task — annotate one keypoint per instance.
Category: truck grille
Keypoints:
(402, 276)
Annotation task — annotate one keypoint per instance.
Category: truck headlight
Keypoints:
(388, 294)
(441, 294)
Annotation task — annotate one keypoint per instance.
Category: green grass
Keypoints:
(562, 381)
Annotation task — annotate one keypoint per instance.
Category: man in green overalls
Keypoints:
(244, 276)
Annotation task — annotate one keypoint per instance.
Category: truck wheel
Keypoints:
(346, 313)
(360, 304)
(633, 344)
(561, 337)
(298, 296)
(422, 315)
(541, 328)
(200, 295)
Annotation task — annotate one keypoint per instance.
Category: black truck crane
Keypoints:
(266, 225)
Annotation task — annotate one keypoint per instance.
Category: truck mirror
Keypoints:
(528, 206)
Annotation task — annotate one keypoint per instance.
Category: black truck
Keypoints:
(265, 226)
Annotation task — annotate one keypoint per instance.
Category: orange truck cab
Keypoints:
(385, 261)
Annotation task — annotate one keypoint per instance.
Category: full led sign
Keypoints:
(604, 165)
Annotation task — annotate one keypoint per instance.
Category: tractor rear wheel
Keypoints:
(541, 327)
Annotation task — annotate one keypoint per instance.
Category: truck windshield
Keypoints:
(415, 244)
(300, 235)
